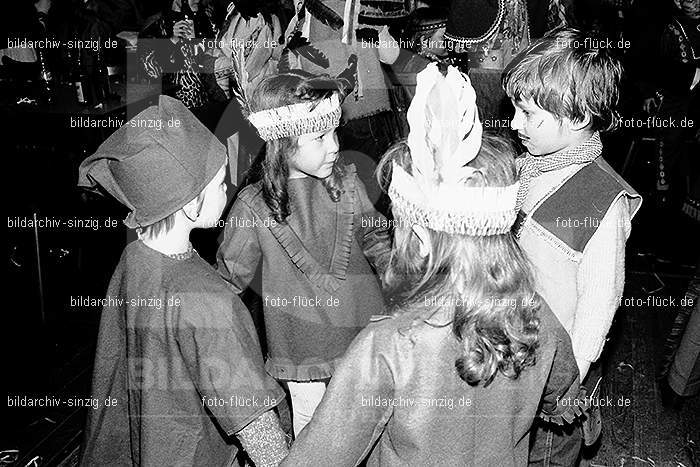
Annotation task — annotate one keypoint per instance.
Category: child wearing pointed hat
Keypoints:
(177, 350)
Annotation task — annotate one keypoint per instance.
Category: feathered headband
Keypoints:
(297, 119)
(445, 135)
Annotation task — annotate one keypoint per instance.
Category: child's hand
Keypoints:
(388, 47)
(181, 30)
(583, 367)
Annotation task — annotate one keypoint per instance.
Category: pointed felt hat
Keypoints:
(156, 163)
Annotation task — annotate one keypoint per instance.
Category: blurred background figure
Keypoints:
(672, 92)
(681, 370)
(172, 47)
(422, 42)
(23, 21)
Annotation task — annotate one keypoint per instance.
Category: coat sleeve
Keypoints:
(107, 439)
(239, 253)
(600, 281)
(374, 234)
(220, 350)
(354, 410)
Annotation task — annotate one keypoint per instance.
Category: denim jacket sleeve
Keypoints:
(354, 409)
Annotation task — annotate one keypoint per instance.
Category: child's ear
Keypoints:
(424, 243)
(191, 210)
(476, 179)
(578, 125)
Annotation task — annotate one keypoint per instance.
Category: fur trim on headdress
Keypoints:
(297, 119)
(445, 135)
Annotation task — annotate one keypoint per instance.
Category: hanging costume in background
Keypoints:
(424, 32)
(490, 33)
(322, 37)
(249, 41)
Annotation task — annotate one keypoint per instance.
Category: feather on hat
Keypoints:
(445, 135)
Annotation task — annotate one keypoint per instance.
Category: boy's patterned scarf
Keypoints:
(531, 166)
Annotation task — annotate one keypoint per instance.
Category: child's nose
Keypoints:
(516, 123)
(333, 145)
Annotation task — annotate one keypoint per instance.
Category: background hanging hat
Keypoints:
(472, 21)
(425, 19)
(156, 163)
(380, 12)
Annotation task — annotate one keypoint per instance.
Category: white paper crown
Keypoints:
(297, 119)
(445, 135)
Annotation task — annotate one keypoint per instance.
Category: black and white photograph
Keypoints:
(376, 233)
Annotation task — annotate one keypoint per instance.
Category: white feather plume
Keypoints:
(421, 153)
(445, 135)
(445, 131)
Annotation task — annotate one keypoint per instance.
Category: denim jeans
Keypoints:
(684, 374)
(552, 445)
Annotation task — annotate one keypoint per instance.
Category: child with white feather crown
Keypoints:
(459, 380)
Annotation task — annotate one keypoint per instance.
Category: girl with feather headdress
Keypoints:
(322, 38)
(307, 220)
(471, 355)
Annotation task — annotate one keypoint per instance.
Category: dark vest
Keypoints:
(574, 212)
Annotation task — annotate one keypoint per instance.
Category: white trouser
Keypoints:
(305, 398)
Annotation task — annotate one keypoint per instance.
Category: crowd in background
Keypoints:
(212, 55)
